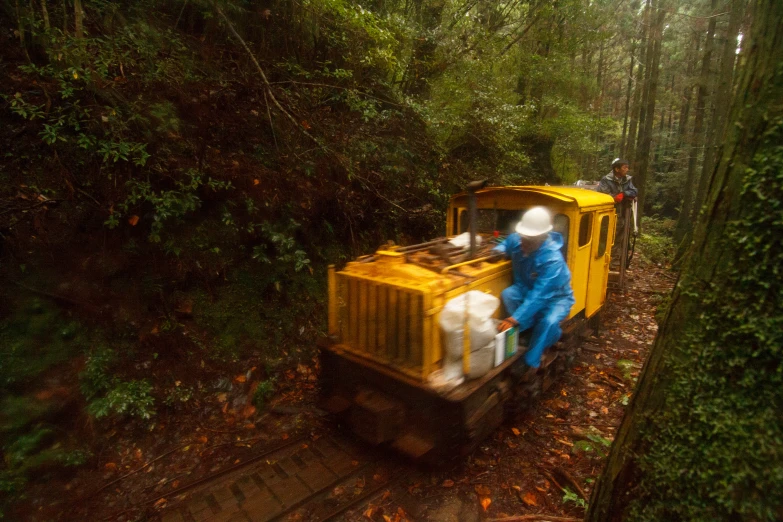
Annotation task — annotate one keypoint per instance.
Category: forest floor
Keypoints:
(541, 461)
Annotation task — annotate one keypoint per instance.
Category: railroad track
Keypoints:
(310, 481)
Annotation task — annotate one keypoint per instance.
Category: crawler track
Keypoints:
(316, 480)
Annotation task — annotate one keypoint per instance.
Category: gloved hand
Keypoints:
(507, 323)
(619, 197)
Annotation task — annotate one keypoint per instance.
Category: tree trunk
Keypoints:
(645, 133)
(45, 15)
(65, 17)
(623, 142)
(78, 18)
(702, 437)
(685, 219)
(722, 97)
(645, 85)
(637, 93)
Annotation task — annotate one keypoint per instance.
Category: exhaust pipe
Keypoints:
(473, 186)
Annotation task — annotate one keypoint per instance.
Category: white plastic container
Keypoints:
(506, 343)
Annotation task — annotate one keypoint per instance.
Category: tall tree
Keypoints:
(642, 159)
(702, 438)
(722, 95)
(685, 219)
(623, 142)
(639, 88)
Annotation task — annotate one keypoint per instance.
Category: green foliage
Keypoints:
(655, 243)
(719, 429)
(36, 337)
(280, 249)
(167, 204)
(627, 368)
(132, 398)
(179, 395)
(109, 395)
(596, 444)
(263, 393)
(570, 496)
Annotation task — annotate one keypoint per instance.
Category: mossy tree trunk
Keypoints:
(703, 438)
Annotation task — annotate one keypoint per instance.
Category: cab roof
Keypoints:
(581, 197)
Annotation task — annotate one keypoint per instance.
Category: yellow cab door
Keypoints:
(603, 232)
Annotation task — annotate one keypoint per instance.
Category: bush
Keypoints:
(263, 392)
(655, 243)
(133, 398)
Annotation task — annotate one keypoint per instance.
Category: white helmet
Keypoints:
(535, 222)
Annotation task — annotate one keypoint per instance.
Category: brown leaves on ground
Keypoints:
(559, 445)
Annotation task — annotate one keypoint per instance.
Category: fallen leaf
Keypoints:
(485, 502)
(222, 397)
(133, 220)
(256, 182)
(386, 494)
(249, 426)
(160, 503)
(138, 454)
(386, 518)
(306, 125)
(448, 483)
(110, 466)
(248, 411)
(203, 439)
(240, 378)
(284, 436)
(529, 499)
(175, 484)
(515, 431)
(336, 492)
(483, 490)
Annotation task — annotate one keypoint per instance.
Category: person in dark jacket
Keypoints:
(541, 295)
(619, 185)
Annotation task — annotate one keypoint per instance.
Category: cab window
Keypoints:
(560, 223)
(604, 234)
(585, 229)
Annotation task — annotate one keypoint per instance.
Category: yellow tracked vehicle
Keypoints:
(385, 342)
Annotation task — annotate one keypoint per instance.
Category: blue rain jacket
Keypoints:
(542, 278)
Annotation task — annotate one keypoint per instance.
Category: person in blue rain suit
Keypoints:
(541, 295)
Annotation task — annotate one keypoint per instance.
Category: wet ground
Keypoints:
(540, 465)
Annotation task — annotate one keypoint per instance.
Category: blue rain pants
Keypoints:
(545, 322)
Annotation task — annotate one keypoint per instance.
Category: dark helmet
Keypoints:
(618, 163)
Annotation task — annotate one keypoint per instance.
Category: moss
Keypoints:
(715, 448)
(36, 337)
